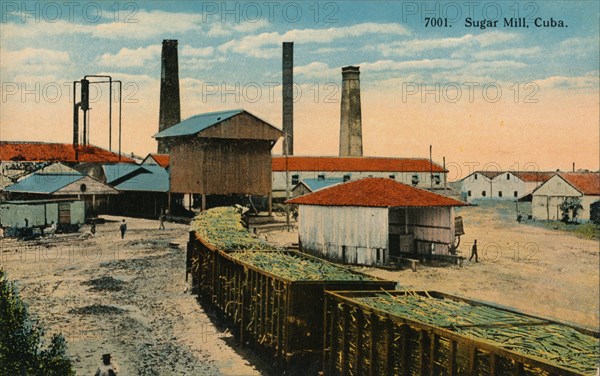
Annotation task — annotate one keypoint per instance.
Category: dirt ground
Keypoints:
(129, 297)
(139, 311)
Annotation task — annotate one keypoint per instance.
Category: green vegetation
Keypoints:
(21, 340)
(222, 228)
(558, 344)
(586, 230)
(295, 267)
(442, 312)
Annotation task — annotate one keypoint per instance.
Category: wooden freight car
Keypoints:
(431, 333)
(273, 298)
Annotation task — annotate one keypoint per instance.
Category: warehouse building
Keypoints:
(59, 181)
(550, 195)
(374, 220)
(306, 186)
(501, 185)
(418, 172)
(223, 153)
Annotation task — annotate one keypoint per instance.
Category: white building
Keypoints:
(373, 220)
(550, 195)
(418, 172)
(501, 185)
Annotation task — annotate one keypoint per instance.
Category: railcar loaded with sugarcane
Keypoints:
(272, 297)
(309, 315)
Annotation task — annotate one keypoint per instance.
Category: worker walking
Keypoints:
(474, 252)
(106, 368)
(162, 221)
(123, 228)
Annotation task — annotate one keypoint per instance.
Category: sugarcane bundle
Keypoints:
(222, 228)
(558, 344)
(295, 267)
(443, 312)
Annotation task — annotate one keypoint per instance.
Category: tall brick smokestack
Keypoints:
(350, 119)
(170, 108)
(288, 97)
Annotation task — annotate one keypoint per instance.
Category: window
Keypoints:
(499, 193)
(475, 176)
(347, 177)
(469, 193)
(507, 176)
(415, 179)
(483, 193)
(295, 179)
(437, 179)
(516, 194)
(321, 177)
(392, 177)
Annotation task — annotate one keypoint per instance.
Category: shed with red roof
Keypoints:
(548, 197)
(374, 220)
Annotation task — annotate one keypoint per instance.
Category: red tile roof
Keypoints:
(161, 159)
(375, 192)
(533, 176)
(42, 151)
(587, 183)
(489, 174)
(526, 176)
(354, 164)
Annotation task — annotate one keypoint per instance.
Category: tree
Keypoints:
(21, 351)
(570, 207)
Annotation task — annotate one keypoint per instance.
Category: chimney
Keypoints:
(170, 110)
(288, 97)
(350, 120)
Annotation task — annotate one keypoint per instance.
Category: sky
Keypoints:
(448, 74)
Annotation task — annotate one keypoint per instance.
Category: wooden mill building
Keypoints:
(373, 220)
(221, 153)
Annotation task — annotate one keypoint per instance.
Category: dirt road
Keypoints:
(125, 297)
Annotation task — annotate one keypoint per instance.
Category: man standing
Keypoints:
(123, 228)
(106, 368)
(474, 252)
(162, 221)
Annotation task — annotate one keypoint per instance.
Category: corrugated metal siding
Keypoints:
(357, 232)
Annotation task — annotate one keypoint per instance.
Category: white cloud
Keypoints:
(222, 29)
(588, 81)
(410, 47)
(127, 57)
(315, 70)
(34, 60)
(483, 66)
(323, 70)
(190, 51)
(327, 50)
(267, 45)
(141, 26)
(578, 47)
(511, 52)
(387, 65)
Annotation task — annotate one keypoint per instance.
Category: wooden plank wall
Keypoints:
(344, 233)
(221, 166)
